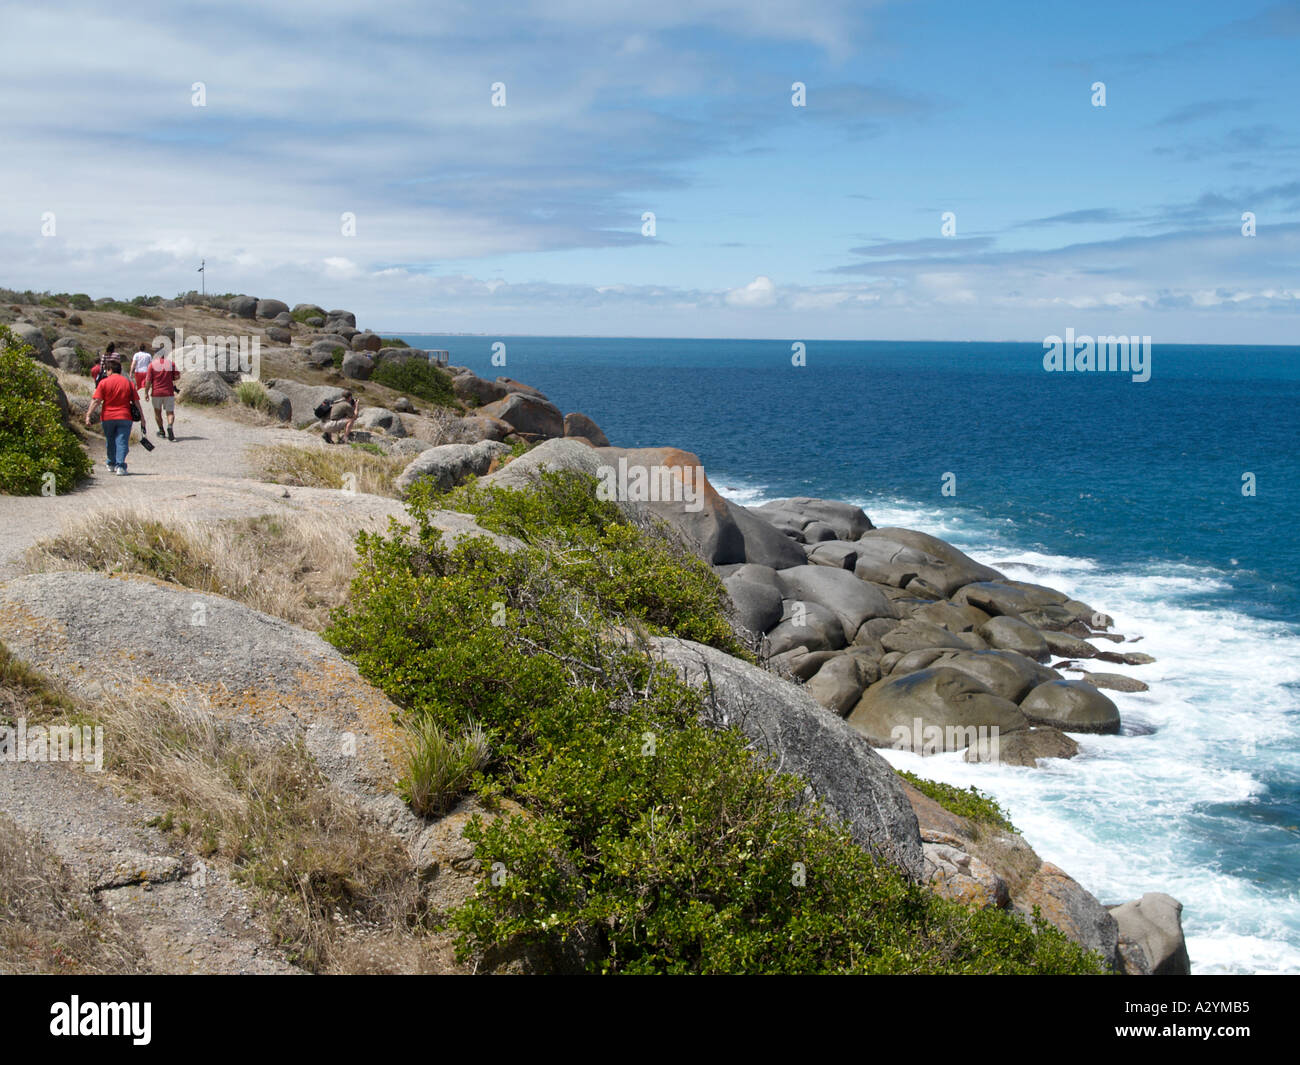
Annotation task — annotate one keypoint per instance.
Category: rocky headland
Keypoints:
(859, 637)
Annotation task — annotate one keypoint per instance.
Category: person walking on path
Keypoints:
(160, 388)
(114, 396)
(341, 421)
(99, 370)
(140, 365)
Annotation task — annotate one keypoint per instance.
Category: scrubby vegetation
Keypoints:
(652, 842)
(34, 440)
(339, 468)
(971, 803)
(417, 377)
(296, 567)
(47, 924)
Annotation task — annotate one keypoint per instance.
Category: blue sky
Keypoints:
(821, 221)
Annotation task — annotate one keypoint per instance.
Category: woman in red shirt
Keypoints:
(114, 395)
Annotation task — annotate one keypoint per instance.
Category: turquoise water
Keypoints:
(1127, 495)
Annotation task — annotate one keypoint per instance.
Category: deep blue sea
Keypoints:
(1126, 495)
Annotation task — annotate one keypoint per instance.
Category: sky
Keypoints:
(357, 156)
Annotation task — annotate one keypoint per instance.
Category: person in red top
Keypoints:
(113, 396)
(160, 385)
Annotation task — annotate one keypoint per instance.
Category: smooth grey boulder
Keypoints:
(303, 398)
(953, 570)
(32, 336)
(932, 710)
(1151, 937)
(370, 342)
(205, 386)
(381, 418)
(799, 662)
(449, 464)
(758, 606)
(1004, 673)
(357, 366)
(1072, 706)
(67, 360)
(579, 425)
(244, 307)
(951, 616)
(839, 684)
(528, 414)
(999, 598)
(284, 318)
(760, 542)
(913, 635)
(808, 625)
(850, 779)
(304, 311)
(837, 554)
(1115, 682)
(843, 520)
(271, 308)
(1064, 646)
(403, 405)
(278, 333)
(853, 601)
(1012, 634)
(1023, 748)
(279, 403)
(474, 390)
(346, 318)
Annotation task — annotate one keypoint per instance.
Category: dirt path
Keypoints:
(206, 474)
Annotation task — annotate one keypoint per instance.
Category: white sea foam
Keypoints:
(1165, 809)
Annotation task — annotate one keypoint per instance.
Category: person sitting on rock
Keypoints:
(342, 417)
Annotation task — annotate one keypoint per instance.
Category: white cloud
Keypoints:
(760, 292)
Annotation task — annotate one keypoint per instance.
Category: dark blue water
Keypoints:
(1126, 494)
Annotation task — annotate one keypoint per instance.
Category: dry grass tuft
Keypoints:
(297, 567)
(336, 467)
(326, 875)
(47, 923)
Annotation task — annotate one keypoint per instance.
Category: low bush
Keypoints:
(970, 803)
(416, 377)
(35, 442)
(652, 841)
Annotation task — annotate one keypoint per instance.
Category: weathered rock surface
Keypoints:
(580, 425)
(1072, 706)
(811, 741)
(449, 464)
(932, 710)
(1151, 936)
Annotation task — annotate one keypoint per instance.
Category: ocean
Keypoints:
(1169, 504)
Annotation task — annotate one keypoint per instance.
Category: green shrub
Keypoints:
(652, 841)
(441, 765)
(79, 301)
(34, 440)
(301, 316)
(393, 342)
(337, 355)
(970, 803)
(416, 377)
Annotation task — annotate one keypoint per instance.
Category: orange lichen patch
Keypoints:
(16, 619)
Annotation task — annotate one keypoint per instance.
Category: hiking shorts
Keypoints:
(167, 403)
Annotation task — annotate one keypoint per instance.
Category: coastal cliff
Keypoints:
(796, 635)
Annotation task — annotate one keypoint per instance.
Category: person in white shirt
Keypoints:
(140, 365)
